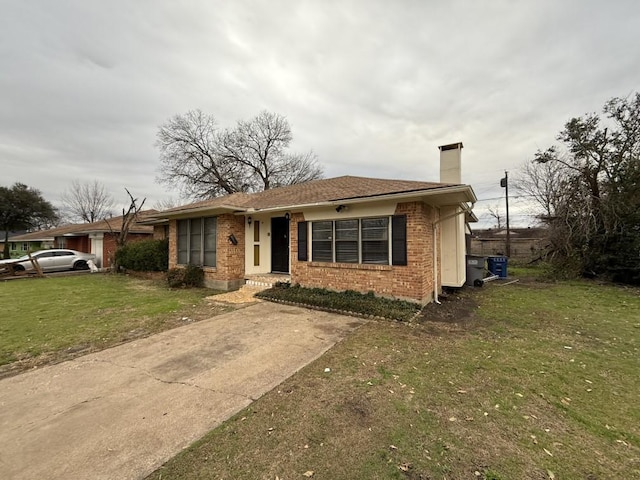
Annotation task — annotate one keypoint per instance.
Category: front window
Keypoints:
(322, 241)
(347, 241)
(363, 240)
(197, 241)
(375, 240)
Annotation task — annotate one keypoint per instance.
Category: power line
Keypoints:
(501, 197)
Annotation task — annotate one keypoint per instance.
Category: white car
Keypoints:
(53, 260)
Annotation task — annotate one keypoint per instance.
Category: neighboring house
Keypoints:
(98, 238)
(19, 247)
(527, 244)
(397, 238)
(3, 234)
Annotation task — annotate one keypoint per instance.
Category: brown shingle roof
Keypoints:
(85, 228)
(316, 191)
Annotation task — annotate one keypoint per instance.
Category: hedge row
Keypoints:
(348, 301)
(144, 256)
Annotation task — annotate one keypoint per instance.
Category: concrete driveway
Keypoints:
(123, 412)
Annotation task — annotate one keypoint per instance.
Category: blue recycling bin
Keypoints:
(498, 265)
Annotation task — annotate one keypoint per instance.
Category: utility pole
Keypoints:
(504, 183)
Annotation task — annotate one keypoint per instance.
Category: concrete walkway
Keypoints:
(121, 413)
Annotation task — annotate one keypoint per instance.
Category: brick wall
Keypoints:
(173, 244)
(109, 245)
(412, 282)
(228, 274)
(160, 232)
(81, 244)
(229, 258)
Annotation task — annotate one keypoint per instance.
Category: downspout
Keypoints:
(435, 263)
(464, 209)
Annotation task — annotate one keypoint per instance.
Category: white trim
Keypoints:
(417, 194)
(97, 247)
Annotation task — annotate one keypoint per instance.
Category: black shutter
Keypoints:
(399, 240)
(303, 248)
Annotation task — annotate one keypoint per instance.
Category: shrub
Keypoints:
(175, 277)
(189, 276)
(193, 276)
(144, 256)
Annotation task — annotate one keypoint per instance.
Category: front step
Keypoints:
(265, 281)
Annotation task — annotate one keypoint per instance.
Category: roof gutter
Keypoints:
(388, 196)
(328, 203)
(188, 211)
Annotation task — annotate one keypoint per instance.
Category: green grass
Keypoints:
(50, 316)
(541, 382)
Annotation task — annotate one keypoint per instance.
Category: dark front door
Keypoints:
(280, 245)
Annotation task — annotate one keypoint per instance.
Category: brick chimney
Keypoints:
(450, 163)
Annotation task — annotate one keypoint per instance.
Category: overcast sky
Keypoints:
(372, 87)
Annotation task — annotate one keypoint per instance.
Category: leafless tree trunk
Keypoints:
(120, 234)
(87, 202)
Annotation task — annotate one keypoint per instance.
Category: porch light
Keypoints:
(249, 220)
(287, 216)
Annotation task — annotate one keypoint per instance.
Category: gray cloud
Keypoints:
(372, 87)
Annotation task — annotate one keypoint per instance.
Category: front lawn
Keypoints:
(535, 381)
(48, 319)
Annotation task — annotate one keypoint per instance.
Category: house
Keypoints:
(98, 238)
(397, 238)
(6, 236)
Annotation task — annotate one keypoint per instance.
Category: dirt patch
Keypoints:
(243, 296)
(455, 307)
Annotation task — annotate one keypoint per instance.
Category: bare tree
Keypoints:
(87, 202)
(167, 203)
(121, 233)
(496, 214)
(189, 157)
(260, 144)
(207, 162)
(542, 182)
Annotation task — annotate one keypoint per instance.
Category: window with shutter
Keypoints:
(322, 241)
(378, 240)
(375, 240)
